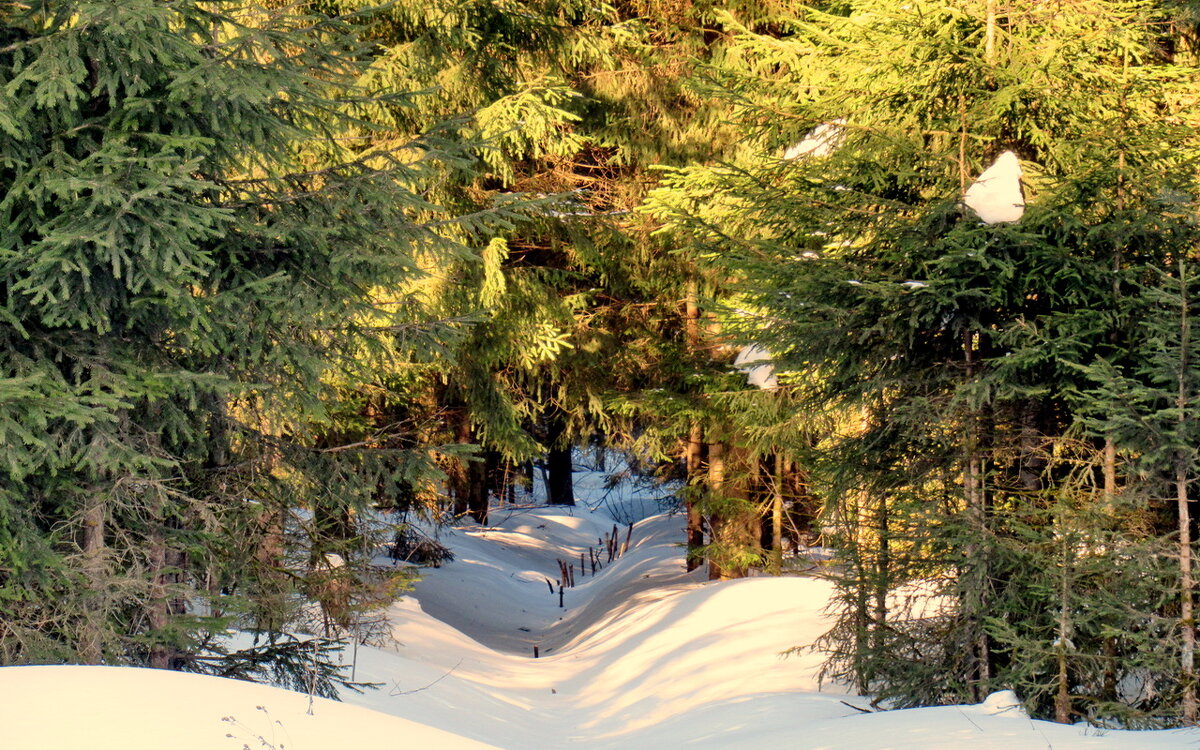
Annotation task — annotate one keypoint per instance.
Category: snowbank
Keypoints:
(642, 655)
(116, 708)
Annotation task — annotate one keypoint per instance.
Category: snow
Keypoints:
(118, 708)
(820, 141)
(996, 195)
(760, 375)
(643, 655)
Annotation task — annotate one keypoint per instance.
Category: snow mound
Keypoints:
(647, 655)
(119, 708)
(1003, 702)
(643, 654)
(996, 195)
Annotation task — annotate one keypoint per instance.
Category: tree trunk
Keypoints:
(160, 655)
(1187, 618)
(694, 459)
(475, 492)
(989, 37)
(469, 479)
(777, 517)
(694, 453)
(1062, 698)
(976, 573)
(883, 569)
(559, 465)
(92, 547)
(1110, 469)
(716, 489)
(734, 519)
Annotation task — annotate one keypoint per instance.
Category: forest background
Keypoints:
(275, 274)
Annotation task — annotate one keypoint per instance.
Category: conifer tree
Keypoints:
(951, 339)
(580, 310)
(185, 274)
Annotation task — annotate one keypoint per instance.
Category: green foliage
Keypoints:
(189, 250)
(953, 355)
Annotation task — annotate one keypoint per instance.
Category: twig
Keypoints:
(417, 690)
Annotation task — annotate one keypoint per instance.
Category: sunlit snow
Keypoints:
(820, 141)
(758, 375)
(643, 654)
(996, 195)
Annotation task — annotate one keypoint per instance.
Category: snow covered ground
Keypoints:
(642, 655)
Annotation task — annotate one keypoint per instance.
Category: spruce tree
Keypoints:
(192, 234)
(943, 350)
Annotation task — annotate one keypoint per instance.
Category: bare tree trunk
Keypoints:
(976, 574)
(1110, 469)
(694, 453)
(160, 655)
(1062, 699)
(777, 516)
(691, 316)
(736, 523)
(989, 38)
(883, 566)
(1186, 604)
(560, 488)
(693, 458)
(459, 481)
(93, 548)
(716, 488)
(1110, 446)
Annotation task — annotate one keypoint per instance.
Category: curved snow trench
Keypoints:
(642, 655)
(646, 655)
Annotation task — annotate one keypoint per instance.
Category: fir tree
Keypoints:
(942, 346)
(185, 275)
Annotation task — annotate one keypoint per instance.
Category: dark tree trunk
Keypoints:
(468, 481)
(158, 615)
(559, 484)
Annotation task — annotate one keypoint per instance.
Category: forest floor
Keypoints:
(640, 655)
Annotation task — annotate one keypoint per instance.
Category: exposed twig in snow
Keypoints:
(968, 718)
(396, 690)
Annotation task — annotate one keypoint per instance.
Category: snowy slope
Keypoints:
(115, 708)
(644, 655)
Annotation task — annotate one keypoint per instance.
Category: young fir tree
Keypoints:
(1149, 407)
(945, 342)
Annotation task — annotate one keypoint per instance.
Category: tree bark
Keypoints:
(976, 572)
(559, 465)
(735, 521)
(1062, 698)
(694, 459)
(777, 516)
(694, 453)
(989, 38)
(883, 569)
(716, 489)
(92, 546)
(1187, 617)
(160, 655)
